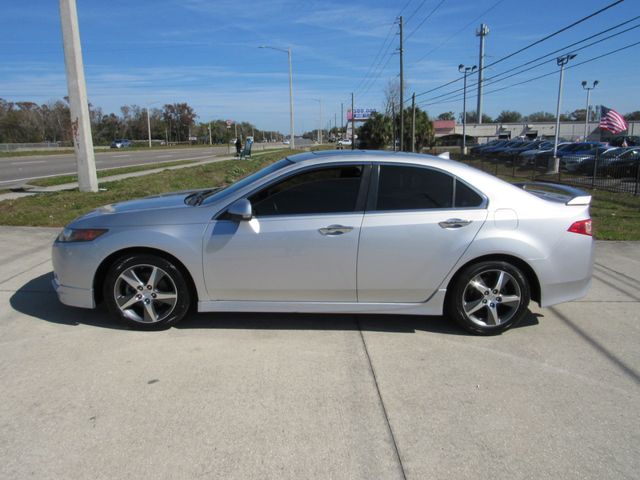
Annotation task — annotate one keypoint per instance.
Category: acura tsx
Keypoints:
(335, 232)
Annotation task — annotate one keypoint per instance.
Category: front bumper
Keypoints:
(72, 296)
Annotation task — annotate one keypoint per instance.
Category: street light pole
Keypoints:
(561, 61)
(465, 71)
(292, 143)
(586, 112)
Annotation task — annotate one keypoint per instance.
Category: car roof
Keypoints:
(384, 156)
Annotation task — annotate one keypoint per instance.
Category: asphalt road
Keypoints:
(317, 396)
(19, 170)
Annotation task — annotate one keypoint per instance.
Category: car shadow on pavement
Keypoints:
(37, 299)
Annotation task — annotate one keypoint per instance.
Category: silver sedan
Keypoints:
(335, 232)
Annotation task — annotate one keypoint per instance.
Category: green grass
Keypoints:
(50, 181)
(56, 209)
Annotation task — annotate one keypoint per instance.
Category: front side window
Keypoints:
(413, 188)
(324, 190)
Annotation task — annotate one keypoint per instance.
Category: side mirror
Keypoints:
(240, 210)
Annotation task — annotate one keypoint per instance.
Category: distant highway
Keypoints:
(15, 171)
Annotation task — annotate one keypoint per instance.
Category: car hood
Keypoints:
(169, 209)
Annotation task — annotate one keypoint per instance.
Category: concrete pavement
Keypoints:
(316, 396)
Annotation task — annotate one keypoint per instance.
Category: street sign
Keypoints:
(361, 114)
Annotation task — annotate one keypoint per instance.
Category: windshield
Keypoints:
(216, 195)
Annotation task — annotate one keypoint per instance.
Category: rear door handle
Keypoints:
(333, 230)
(454, 223)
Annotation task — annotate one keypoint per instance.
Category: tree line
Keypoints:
(29, 122)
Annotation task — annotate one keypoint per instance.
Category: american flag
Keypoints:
(612, 121)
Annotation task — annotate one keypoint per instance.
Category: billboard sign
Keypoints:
(361, 114)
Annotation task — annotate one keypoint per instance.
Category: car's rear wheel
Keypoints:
(489, 297)
(146, 291)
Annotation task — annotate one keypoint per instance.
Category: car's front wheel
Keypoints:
(146, 292)
(489, 297)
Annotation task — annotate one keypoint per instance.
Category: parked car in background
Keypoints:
(491, 152)
(478, 148)
(422, 235)
(615, 162)
(343, 142)
(573, 161)
(527, 157)
(121, 143)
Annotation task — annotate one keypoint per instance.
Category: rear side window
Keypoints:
(466, 197)
(413, 188)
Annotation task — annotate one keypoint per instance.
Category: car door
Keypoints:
(418, 223)
(300, 246)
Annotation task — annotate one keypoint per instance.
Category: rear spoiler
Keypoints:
(556, 192)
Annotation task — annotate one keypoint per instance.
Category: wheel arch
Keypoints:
(103, 268)
(530, 274)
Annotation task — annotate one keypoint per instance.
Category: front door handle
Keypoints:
(333, 230)
(454, 223)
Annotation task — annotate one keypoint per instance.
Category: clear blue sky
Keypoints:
(205, 52)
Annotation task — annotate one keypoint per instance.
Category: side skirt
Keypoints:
(433, 307)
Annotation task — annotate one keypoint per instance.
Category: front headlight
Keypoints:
(80, 234)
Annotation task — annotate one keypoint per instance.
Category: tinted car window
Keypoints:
(413, 188)
(465, 197)
(326, 190)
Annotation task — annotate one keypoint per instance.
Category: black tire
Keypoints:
(169, 297)
(490, 310)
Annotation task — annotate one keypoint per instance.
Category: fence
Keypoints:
(614, 174)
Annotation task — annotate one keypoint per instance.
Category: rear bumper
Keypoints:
(72, 296)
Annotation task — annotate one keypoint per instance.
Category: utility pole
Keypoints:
(561, 61)
(320, 121)
(413, 122)
(401, 89)
(341, 118)
(482, 32)
(148, 127)
(353, 123)
(466, 71)
(78, 105)
(393, 123)
(210, 139)
(586, 113)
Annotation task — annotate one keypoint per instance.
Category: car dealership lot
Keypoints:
(316, 396)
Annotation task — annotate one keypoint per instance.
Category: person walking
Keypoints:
(238, 146)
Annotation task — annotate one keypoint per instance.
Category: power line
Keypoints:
(577, 22)
(415, 11)
(557, 32)
(433, 10)
(589, 60)
(494, 77)
(459, 31)
(376, 57)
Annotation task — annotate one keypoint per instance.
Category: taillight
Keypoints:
(582, 227)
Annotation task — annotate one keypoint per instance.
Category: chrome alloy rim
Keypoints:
(491, 298)
(145, 294)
